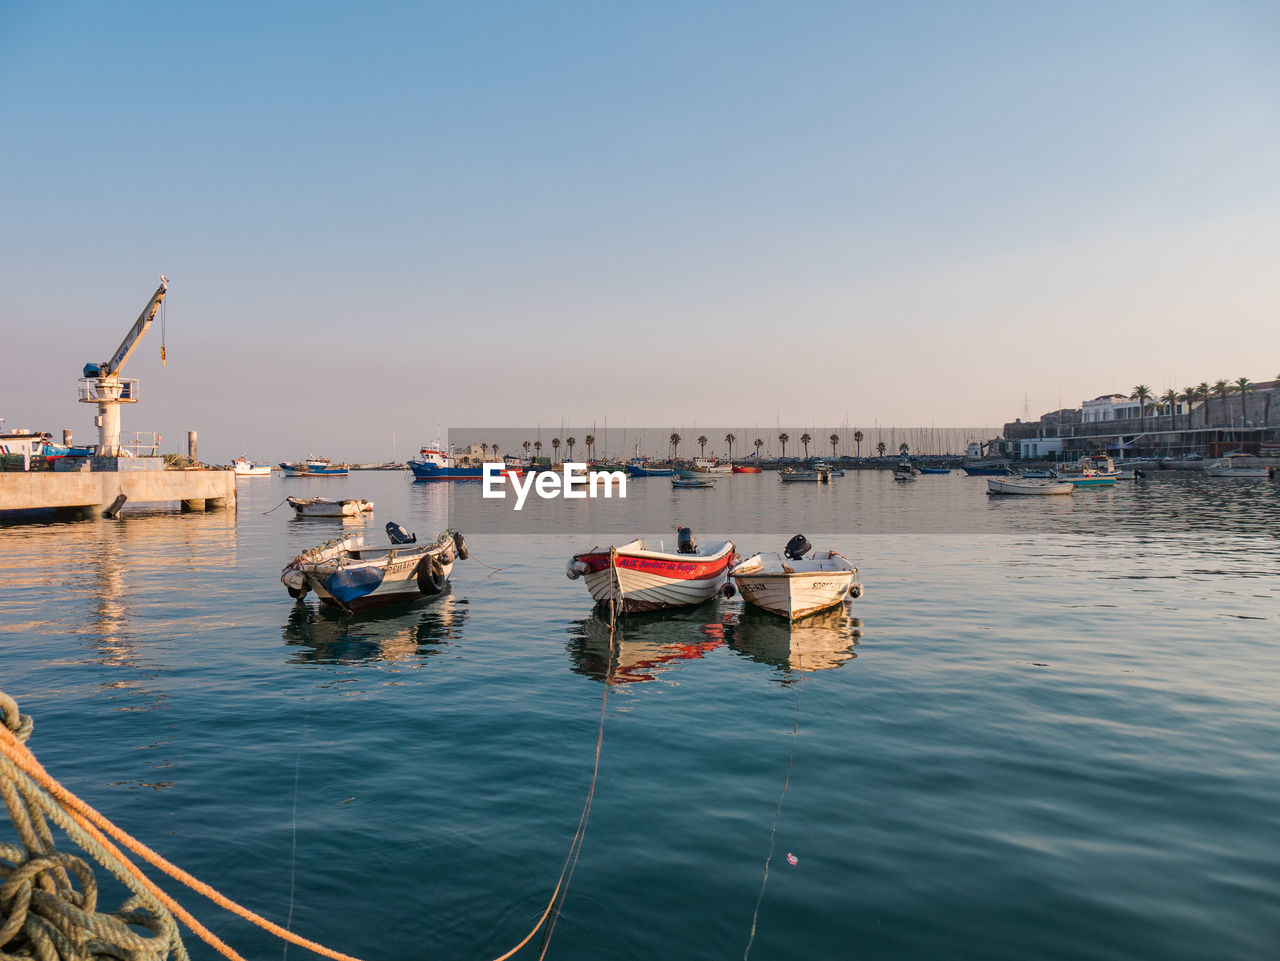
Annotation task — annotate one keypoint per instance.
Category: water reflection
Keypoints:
(645, 645)
(818, 642)
(325, 636)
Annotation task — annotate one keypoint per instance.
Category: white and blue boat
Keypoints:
(435, 462)
(640, 467)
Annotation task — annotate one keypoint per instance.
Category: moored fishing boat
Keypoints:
(328, 507)
(313, 467)
(693, 482)
(905, 472)
(1038, 473)
(640, 467)
(246, 468)
(436, 462)
(791, 585)
(1090, 478)
(1017, 485)
(347, 574)
(934, 470)
(635, 578)
(1234, 465)
(747, 469)
(821, 466)
(790, 475)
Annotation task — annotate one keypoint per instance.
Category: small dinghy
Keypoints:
(328, 507)
(346, 574)
(1016, 485)
(639, 579)
(905, 472)
(789, 475)
(791, 585)
(699, 482)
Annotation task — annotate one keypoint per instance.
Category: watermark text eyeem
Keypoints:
(572, 482)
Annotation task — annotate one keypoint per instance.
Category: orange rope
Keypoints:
(91, 821)
(95, 824)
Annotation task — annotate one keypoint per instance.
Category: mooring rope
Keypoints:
(777, 814)
(42, 913)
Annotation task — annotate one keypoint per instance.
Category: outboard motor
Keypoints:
(686, 543)
(399, 535)
(797, 547)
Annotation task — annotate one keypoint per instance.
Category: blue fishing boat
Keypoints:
(987, 470)
(639, 467)
(435, 462)
(313, 467)
(934, 470)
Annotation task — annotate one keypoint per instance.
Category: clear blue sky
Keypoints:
(377, 216)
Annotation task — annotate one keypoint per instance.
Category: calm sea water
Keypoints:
(1049, 730)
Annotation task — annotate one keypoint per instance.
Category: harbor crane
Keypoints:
(102, 384)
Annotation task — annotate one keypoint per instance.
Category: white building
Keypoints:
(1109, 407)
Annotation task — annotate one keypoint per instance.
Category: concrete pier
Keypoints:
(90, 490)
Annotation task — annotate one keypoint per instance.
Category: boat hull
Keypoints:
(301, 470)
(1091, 481)
(640, 580)
(739, 469)
(796, 592)
(346, 575)
(1028, 487)
(987, 471)
(325, 507)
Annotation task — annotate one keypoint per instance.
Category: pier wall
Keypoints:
(47, 490)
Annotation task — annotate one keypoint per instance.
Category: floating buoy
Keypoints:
(792, 859)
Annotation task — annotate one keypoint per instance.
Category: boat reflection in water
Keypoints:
(818, 642)
(645, 645)
(400, 634)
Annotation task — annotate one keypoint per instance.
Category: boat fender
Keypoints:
(460, 545)
(576, 568)
(294, 580)
(855, 590)
(296, 594)
(431, 578)
(728, 590)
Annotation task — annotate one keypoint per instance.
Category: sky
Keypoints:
(379, 217)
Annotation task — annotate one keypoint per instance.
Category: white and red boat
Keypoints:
(640, 579)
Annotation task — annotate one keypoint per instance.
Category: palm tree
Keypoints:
(1242, 385)
(881, 448)
(569, 442)
(858, 438)
(1142, 394)
(484, 450)
(526, 445)
(1188, 398)
(729, 439)
(804, 439)
(555, 448)
(537, 449)
(674, 442)
(590, 441)
(903, 449)
(702, 444)
(1204, 392)
(784, 438)
(1222, 388)
(1170, 400)
(758, 444)
(834, 439)
(494, 448)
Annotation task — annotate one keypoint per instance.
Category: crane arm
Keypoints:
(139, 328)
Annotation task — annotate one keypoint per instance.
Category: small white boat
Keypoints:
(1233, 465)
(692, 482)
(792, 585)
(639, 579)
(1017, 485)
(789, 475)
(246, 468)
(329, 507)
(822, 465)
(313, 467)
(346, 574)
(905, 472)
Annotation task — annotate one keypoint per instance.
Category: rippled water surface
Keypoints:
(1049, 729)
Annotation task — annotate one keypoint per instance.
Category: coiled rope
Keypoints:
(43, 915)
